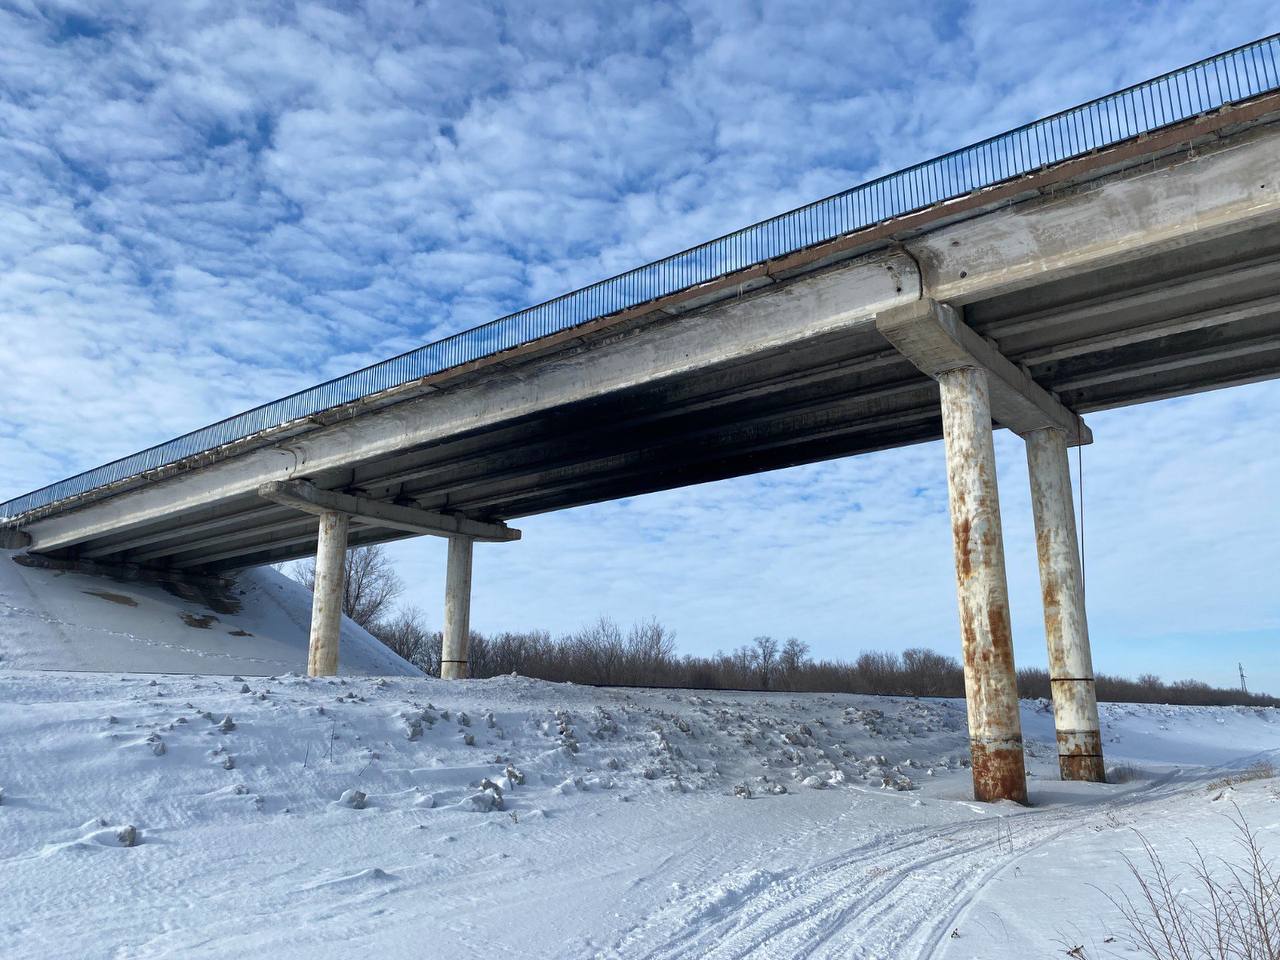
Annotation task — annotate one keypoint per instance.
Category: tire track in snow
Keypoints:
(874, 900)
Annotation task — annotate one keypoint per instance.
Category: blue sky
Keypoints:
(209, 205)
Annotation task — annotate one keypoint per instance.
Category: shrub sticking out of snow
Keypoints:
(742, 790)
(514, 775)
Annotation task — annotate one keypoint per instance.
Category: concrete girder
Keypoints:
(863, 408)
(180, 548)
(1154, 330)
(1230, 350)
(515, 448)
(300, 550)
(256, 543)
(303, 496)
(168, 533)
(813, 362)
(932, 337)
(645, 459)
(1200, 292)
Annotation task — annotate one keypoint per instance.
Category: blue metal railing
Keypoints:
(1229, 77)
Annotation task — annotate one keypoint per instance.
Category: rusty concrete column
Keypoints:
(990, 683)
(454, 660)
(1066, 629)
(326, 600)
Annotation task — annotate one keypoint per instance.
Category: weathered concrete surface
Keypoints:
(455, 663)
(1066, 627)
(326, 607)
(990, 682)
(12, 538)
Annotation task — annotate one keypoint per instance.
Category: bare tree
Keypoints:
(370, 584)
(408, 636)
(766, 659)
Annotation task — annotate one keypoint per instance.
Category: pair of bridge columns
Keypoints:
(976, 385)
(326, 601)
(336, 511)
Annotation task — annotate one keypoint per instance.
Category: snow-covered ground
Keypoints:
(511, 817)
(60, 620)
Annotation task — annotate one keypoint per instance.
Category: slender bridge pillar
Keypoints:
(977, 384)
(990, 681)
(326, 599)
(455, 661)
(1066, 629)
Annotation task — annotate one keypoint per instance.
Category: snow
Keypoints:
(576, 822)
(57, 620)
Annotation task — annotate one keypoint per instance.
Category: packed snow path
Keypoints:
(414, 817)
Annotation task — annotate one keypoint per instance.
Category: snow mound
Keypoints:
(58, 620)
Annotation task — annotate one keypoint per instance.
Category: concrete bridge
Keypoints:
(1124, 251)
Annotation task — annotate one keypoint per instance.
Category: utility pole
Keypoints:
(1243, 688)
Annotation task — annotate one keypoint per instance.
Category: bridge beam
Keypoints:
(455, 661)
(305, 496)
(1066, 629)
(326, 600)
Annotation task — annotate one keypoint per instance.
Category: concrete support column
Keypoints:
(326, 602)
(1066, 629)
(991, 692)
(454, 664)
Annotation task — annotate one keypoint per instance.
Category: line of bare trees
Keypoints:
(645, 655)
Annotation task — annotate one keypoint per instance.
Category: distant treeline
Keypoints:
(645, 655)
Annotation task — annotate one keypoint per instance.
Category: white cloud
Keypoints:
(205, 206)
